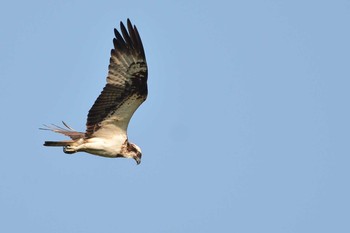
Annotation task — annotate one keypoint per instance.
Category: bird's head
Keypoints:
(136, 152)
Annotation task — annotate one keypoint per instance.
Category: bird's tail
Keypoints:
(58, 143)
(69, 146)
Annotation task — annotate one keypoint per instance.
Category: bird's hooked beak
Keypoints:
(138, 159)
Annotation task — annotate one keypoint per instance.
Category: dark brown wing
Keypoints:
(126, 87)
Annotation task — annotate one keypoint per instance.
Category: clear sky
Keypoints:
(246, 128)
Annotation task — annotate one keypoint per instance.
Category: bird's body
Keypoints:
(108, 118)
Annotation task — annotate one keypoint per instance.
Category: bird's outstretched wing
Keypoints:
(68, 131)
(126, 87)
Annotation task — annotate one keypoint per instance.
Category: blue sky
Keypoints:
(246, 128)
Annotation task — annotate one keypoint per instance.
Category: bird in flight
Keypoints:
(108, 118)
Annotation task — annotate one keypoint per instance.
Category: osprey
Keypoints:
(108, 118)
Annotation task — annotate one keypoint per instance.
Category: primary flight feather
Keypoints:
(108, 118)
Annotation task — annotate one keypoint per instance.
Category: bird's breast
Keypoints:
(107, 147)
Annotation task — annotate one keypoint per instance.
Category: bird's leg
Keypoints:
(69, 150)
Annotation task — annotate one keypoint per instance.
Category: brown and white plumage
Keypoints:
(108, 118)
